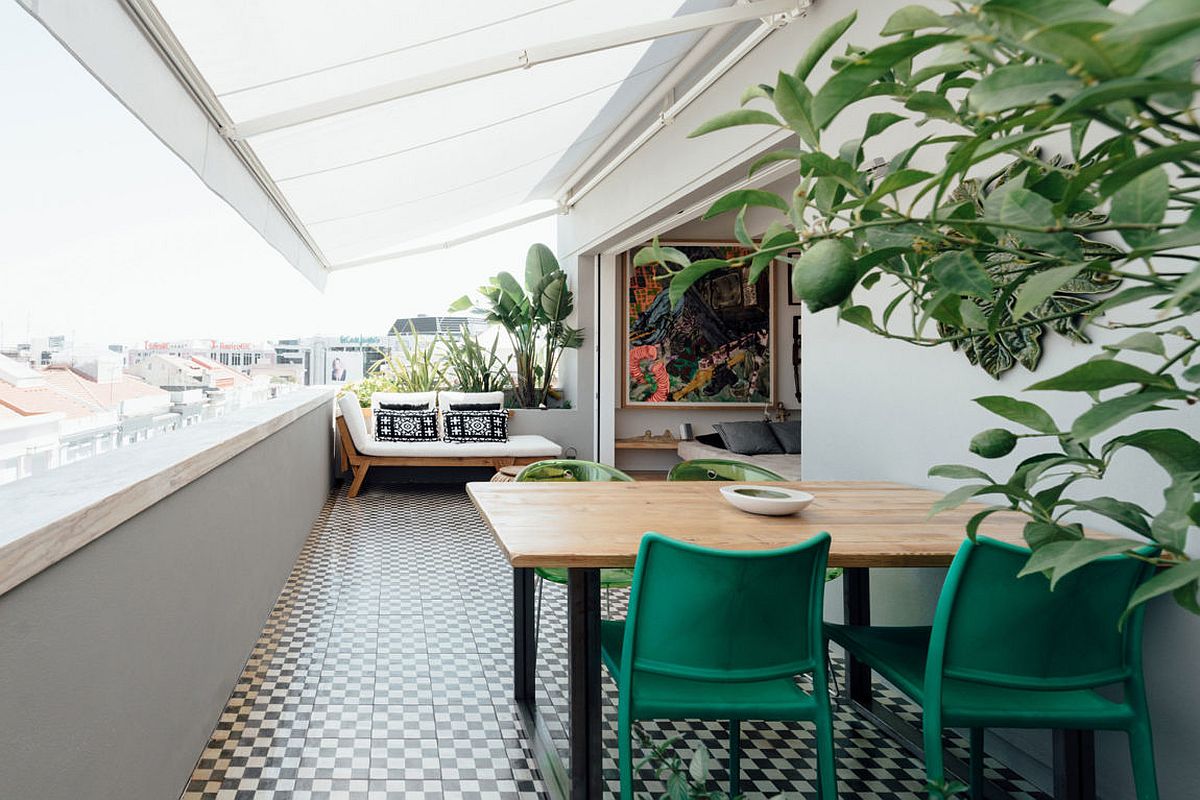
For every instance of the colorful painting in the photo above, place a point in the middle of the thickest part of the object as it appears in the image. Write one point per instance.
(712, 348)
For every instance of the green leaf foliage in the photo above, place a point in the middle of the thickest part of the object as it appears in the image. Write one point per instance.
(1185, 575)
(961, 273)
(909, 19)
(540, 266)
(1030, 217)
(1019, 411)
(1142, 201)
(1104, 415)
(746, 197)
(974, 233)
(853, 81)
(1039, 286)
(745, 116)
(1101, 374)
(1060, 558)
(895, 181)
(683, 280)
(1021, 85)
(820, 45)
(794, 103)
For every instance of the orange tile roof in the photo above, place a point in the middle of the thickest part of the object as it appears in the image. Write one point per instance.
(44, 400)
(108, 395)
(225, 376)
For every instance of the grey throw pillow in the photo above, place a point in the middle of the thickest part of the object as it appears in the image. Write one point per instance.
(748, 438)
(788, 434)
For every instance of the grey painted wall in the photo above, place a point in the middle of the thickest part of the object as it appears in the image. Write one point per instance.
(116, 662)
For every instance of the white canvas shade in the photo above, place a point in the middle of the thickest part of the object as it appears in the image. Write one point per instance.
(353, 133)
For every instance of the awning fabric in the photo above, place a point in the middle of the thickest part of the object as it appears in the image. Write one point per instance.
(209, 78)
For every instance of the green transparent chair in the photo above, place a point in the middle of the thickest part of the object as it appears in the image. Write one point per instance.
(1007, 652)
(721, 635)
(720, 469)
(569, 470)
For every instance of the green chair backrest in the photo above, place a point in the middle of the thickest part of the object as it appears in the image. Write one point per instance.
(996, 628)
(719, 469)
(567, 469)
(699, 613)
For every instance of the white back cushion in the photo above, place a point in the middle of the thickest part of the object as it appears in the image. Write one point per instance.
(446, 398)
(426, 399)
(353, 414)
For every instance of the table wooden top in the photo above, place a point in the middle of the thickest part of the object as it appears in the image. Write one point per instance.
(873, 524)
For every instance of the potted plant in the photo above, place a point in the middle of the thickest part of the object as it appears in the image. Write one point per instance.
(414, 367)
(991, 265)
(535, 318)
(472, 367)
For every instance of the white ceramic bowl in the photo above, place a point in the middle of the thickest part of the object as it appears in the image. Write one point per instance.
(773, 501)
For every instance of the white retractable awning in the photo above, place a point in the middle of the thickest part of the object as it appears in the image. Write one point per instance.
(353, 133)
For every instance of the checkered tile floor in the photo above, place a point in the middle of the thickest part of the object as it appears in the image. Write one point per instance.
(384, 671)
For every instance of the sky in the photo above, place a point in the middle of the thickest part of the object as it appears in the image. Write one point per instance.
(107, 237)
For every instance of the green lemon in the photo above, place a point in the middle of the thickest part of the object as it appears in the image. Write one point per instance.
(993, 443)
(824, 274)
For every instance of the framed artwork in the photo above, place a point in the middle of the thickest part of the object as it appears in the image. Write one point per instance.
(714, 348)
(793, 298)
(796, 353)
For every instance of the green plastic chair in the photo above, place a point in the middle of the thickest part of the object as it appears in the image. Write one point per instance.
(567, 470)
(721, 635)
(1007, 652)
(720, 469)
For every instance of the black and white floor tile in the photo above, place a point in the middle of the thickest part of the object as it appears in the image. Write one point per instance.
(384, 671)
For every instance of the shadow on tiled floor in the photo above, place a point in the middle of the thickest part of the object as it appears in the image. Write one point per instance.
(384, 671)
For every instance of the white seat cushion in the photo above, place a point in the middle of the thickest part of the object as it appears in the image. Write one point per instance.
(524, 446)
(353, 414)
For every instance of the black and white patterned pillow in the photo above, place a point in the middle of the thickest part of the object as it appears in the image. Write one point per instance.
(475, 426)
(406, 426)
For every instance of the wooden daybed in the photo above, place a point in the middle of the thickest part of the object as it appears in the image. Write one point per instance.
(360, 451)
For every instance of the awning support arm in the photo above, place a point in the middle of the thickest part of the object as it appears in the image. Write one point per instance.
(519, 59)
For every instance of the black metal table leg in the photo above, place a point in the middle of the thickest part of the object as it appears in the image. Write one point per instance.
(856, 596)
(583, 635)
(524, 638)
(1074, 765)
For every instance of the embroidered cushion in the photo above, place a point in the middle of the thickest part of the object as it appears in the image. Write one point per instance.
(475, 426)
(406, 426)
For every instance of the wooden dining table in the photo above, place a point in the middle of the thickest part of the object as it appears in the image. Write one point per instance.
(588, 526)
